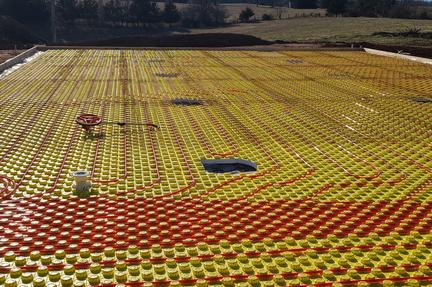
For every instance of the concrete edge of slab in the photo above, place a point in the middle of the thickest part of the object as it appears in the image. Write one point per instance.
(268, 48)
(41, 48)
(18, 59)
(399, 56)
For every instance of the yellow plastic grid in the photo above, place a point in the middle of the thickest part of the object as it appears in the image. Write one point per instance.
(342, 195)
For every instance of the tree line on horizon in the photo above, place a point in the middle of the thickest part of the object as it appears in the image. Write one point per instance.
(375, 8)
(200, 13)
(112, 11)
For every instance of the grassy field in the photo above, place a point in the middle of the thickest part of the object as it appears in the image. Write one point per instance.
(330, 29)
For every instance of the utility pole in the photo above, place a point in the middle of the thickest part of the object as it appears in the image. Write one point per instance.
(53, 21)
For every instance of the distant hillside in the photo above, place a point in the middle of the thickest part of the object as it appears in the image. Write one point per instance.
(14, 33)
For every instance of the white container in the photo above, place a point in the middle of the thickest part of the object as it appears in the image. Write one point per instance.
(82, 180)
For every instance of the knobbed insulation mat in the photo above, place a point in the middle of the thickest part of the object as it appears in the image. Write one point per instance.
(342, 195)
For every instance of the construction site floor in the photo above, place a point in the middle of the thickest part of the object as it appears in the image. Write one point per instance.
(342, 195)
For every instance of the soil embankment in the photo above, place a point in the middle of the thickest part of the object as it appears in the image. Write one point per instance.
(179, 40)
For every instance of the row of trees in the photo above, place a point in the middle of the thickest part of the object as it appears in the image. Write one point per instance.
(68, 11)
(131, 12)
(72, 9)
(25, 11)
(115, 12)
(200, 13)
(143, 12)
(118, 12)
(374, 8)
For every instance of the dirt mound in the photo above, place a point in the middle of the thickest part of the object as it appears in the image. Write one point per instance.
(13, 33)
(181, 40)
(8, 54)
